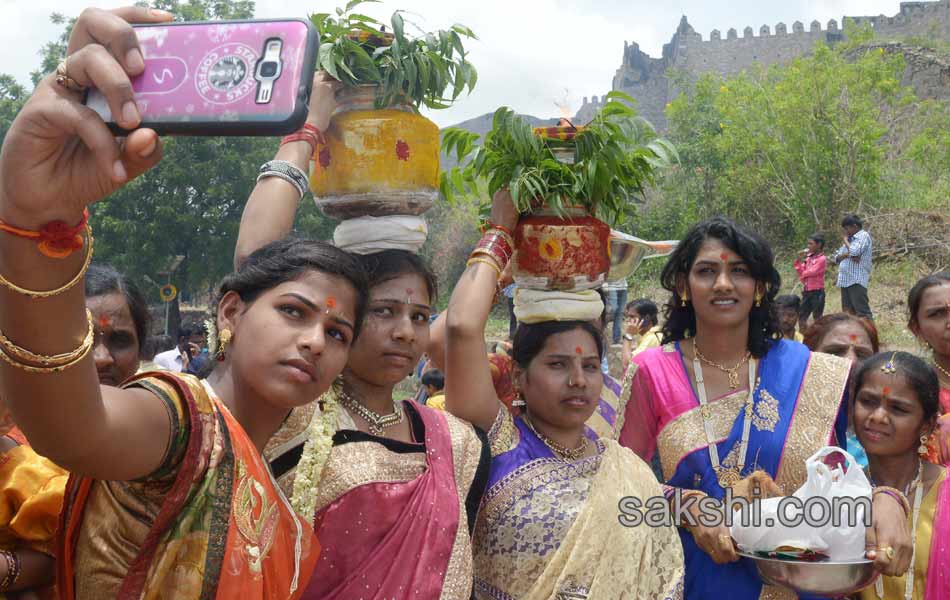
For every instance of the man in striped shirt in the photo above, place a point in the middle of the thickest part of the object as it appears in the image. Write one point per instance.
(854, 267)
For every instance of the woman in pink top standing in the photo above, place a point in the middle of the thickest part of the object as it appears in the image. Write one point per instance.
(811, 272)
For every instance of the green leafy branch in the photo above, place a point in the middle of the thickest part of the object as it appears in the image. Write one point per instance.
(616, 156)
(428, 70)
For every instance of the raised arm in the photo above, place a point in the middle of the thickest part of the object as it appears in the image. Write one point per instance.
(57, 158)
(469, 393)
(271, 208)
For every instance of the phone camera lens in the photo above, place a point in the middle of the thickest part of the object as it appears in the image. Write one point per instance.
(268, 69)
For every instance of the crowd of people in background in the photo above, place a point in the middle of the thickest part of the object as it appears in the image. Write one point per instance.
(271, 455)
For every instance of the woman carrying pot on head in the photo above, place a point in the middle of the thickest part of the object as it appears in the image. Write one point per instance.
(551, 507)
(929, 305)
(848, 336)
(381, 479)
(169, 493)
(894, 412)
(722, 398)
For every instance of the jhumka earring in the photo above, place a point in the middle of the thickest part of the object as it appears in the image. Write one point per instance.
(922, 449)
(683, 298)
(758, 299)
(519, 400)
(224, 339)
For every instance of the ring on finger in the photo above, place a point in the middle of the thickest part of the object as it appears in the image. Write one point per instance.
(63, 79)
(888, 551)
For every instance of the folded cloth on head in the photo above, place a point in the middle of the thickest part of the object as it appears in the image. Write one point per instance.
(365, 235)
(536, 306)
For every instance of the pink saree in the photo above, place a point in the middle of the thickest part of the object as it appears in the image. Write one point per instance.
(394, 523)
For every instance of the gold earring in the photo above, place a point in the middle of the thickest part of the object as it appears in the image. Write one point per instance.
(924, 441)
(758, 299)
(518, 402)
(224, 339)
(683, 298)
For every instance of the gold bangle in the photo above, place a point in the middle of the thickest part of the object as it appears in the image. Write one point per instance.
(894, 493)
(49, 294)
(78, 354)
(45, 360)
(489, 254)
(490, 263)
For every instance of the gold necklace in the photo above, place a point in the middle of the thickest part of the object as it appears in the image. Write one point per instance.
(562, 451)
(376, 422)
(733, 373)
(941, 369)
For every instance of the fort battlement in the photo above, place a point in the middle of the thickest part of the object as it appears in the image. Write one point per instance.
(645, 77)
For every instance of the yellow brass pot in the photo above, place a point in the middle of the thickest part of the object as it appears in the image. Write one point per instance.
(375, 162)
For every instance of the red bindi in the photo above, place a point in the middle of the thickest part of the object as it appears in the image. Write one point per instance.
(853, 337)
(724, 257)
(331, 302)
(578, 350)
(104, 321)
(886, 390)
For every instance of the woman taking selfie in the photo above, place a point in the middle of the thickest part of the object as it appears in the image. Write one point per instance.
(189, 508)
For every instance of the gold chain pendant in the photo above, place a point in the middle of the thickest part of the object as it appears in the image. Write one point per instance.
(728, 477)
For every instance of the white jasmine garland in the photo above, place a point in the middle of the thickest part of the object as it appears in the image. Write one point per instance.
(316, 452)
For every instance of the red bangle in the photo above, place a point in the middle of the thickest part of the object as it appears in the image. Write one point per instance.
(55, 239)
(308, 133)
(501, 228)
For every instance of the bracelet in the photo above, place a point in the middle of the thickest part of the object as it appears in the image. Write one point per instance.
(50, 293)
(55, 239)
(80, 353)
(490, 263)
(501, 261)
(308, 133)
(895, 494)
(287, 171)
(501, 228)
(500, 233)
(45, 360)
(13, 570)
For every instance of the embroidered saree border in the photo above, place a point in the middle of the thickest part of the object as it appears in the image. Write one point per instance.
(360, 463)
(220, 515)
(624, 398)
(531, 475)
(503, 434)
(813, 420)
(457, 584)
(685, 434)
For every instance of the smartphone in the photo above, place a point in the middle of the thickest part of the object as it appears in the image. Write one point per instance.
(222, 78)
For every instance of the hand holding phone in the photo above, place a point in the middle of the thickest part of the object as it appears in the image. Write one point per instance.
(222, 77)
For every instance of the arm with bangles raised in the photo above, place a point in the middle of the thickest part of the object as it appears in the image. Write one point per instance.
(59, 157)
(272, 206)
(469, 392)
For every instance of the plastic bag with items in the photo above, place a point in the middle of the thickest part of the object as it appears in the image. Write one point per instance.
(837, 529)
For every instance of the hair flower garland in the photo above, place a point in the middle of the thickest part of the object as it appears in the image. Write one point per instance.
(316, 453)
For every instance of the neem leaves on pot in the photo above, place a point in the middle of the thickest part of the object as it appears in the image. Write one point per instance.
(429, 69)
(616, 156)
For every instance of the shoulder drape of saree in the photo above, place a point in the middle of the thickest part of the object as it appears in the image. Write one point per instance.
(594, 559)
(31, 498)
(395, 523)
(221, 530)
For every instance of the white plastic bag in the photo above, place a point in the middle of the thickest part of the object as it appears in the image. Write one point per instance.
(841, 540)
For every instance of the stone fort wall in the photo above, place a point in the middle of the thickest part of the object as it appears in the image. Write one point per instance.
(646, 78)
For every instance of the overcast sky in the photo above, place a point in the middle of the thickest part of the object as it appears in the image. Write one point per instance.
(531, 54)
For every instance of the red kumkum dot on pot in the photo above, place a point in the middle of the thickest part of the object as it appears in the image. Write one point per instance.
(402, 150)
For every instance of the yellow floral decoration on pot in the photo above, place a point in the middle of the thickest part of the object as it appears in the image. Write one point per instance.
(549, 248)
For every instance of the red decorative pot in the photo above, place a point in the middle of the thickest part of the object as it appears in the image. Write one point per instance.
(561, 253)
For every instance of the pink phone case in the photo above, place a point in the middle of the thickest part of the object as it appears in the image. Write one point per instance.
(223, 77)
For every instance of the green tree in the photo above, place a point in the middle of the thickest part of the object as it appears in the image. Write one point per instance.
(12, 97)
(788, 148)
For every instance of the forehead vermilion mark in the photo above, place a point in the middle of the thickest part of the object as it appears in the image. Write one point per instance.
(578, 350)
(104, 321)
(331, 302)
(724, 257)
(886, 390)
(853, 338)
